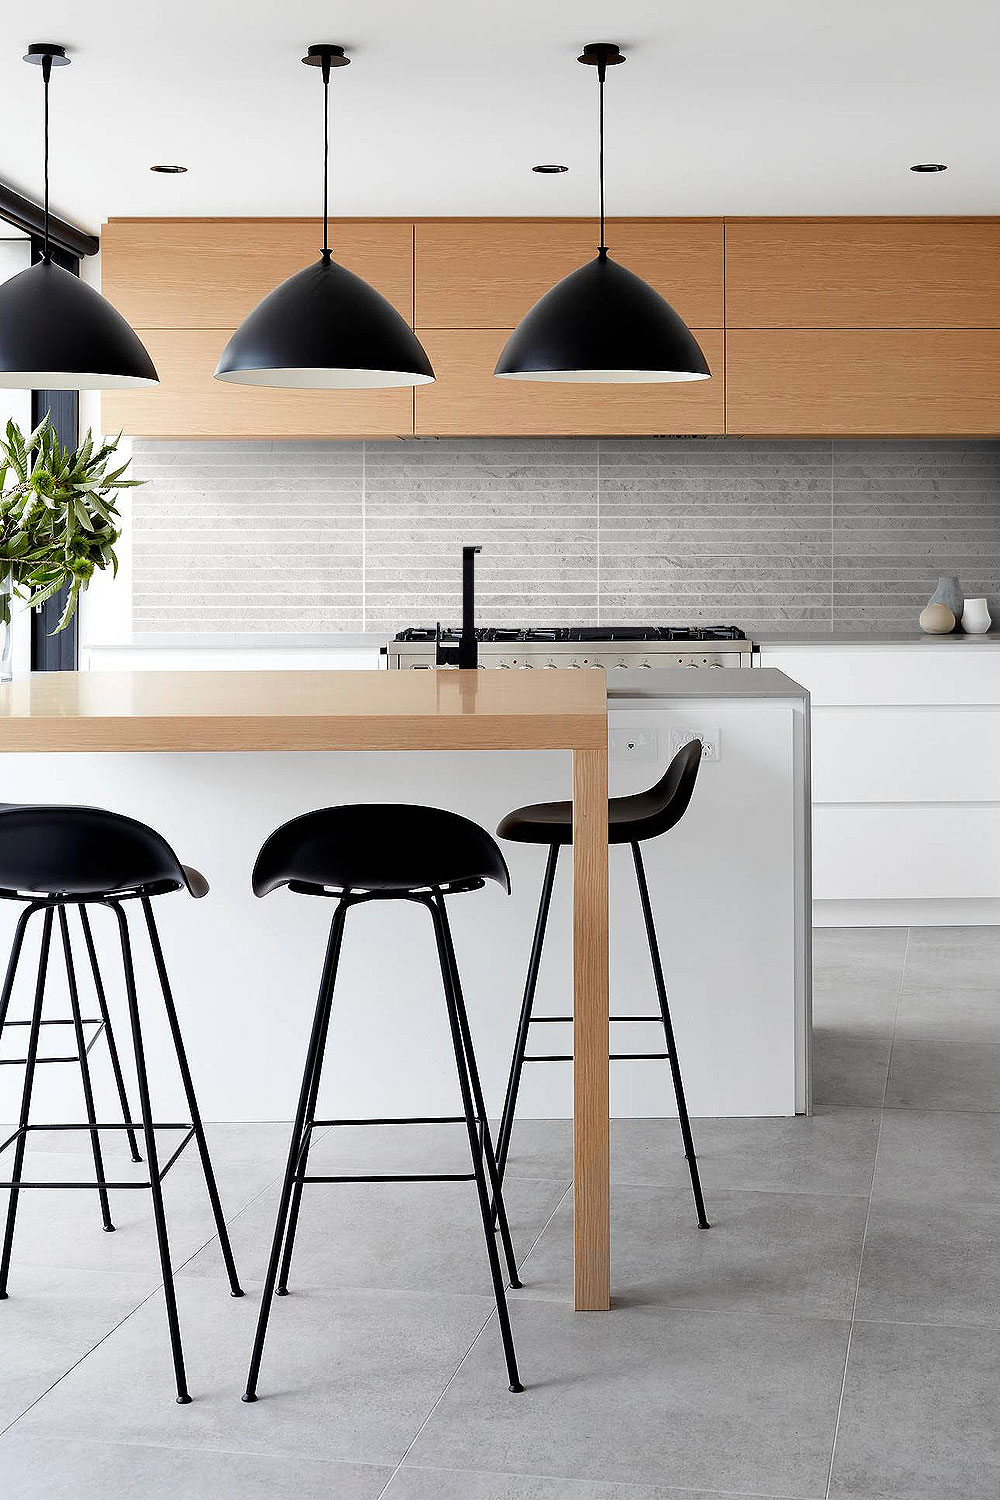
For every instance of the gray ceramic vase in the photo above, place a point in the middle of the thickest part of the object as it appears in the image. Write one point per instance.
(949, 591)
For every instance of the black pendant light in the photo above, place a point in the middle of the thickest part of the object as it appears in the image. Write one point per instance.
(602, 324)
(324, 328)
(56, 332)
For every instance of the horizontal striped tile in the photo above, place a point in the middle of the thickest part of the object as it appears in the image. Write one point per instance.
(312, 535)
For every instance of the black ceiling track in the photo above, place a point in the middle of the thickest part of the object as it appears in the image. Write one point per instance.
(29, 217)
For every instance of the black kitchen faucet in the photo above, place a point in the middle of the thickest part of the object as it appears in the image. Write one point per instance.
(466, 653)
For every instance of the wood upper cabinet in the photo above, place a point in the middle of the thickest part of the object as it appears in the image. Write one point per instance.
(186, 284)
(487, 273)
(863, 273)
(189, 402)
(856, 382)
(466, 398)
(209, 273)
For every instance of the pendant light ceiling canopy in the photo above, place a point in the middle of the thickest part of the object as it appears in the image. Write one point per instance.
(57, 333)
(602, 324)
(325, 328)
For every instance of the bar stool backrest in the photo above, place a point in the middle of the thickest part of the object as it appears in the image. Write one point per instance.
(666, 802)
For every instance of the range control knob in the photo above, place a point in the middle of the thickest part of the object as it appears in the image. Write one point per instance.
(692, 665)
(647, 664)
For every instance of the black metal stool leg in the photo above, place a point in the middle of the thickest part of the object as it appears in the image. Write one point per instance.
(498, 1211)
(29, 1071)
(461, 1065)
(324, 1002)
(192, 1100)
(102, 1005)
(149, 1138)
(293, 1212)
(88, 1090)
(524, 1021)
(668, 1030)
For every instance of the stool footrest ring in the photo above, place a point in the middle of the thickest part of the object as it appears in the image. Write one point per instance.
(102, 1183)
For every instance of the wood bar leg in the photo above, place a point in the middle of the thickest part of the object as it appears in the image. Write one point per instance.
(591, 1105)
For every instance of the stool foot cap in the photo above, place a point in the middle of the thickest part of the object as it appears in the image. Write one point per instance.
(137, 1158)
(249, 1396)
(281, 1291)
(183, 1400)
(237, 1292)
(3, 1296)
(516, 1390)
(109, 1228)
(516, 1285)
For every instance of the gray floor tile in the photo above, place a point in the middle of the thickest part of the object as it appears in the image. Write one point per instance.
(938, 1157)
(931, 1263)
(418, 1236)
(50, 1468)
(919, 1419)
(643, 1393)
(50, 1320)
(833, 1151)
(966, 957)
(948, 1012)
(881, 949)
(63, 1227)
(348, 1377)
(442, 1484)
(944, 1075)
(765, 1252)
(848, 1068)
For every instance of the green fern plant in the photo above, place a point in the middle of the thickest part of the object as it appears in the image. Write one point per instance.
(59, 520)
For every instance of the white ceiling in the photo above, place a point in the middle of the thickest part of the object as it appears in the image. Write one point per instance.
(775, 106)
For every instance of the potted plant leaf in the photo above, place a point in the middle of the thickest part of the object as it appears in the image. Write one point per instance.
(59, 520)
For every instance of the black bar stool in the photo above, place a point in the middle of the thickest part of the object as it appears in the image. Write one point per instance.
(385, 852)
(52, 859)
(631, 820)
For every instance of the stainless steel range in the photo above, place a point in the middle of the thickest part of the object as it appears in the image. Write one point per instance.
(605, 646)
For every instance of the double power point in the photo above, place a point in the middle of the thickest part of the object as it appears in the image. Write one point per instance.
(644, 743)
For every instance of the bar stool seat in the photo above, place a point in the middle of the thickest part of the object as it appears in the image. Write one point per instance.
(645, 815)
(86, 851)
(385, 852)
(386, 847)
(54, 859)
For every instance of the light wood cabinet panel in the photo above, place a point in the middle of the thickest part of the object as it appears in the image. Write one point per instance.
(863, 273)
(467, 398)
(190, 402)
(209, 273)
(487, 273)
(861, 382)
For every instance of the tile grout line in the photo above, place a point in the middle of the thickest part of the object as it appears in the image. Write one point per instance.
(868, 1211)
(465, 1356)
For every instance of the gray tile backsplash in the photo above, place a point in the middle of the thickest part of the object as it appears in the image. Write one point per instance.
(332, 536)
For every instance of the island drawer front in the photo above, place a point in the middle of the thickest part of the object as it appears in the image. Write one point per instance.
(905, 853)
(890, 755)
(927, 672)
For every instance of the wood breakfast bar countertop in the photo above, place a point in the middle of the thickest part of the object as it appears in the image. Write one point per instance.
(440, 710)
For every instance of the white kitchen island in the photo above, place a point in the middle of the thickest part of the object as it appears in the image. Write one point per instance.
(730, 888)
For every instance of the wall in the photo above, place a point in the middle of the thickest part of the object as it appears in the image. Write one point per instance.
(349, 536)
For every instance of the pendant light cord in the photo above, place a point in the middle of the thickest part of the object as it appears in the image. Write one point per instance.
(326, 157)
(46, 74)
(602, 248)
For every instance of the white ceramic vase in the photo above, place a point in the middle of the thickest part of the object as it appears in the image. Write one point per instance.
(976, 617)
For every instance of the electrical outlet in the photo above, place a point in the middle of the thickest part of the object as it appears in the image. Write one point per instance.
(634, 744)
(711, 748)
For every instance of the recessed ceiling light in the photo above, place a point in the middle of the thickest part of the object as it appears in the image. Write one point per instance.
(167, 167)
(930, 166)
(547, 166)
